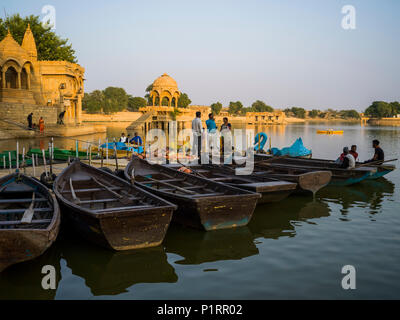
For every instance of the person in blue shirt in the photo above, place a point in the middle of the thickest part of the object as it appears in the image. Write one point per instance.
(137, 140)
(210, 123)
(211, 130)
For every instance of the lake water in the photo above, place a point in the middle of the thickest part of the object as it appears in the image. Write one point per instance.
(294, 249)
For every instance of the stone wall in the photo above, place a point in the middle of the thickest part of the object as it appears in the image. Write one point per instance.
(123, 116)
(17, 113)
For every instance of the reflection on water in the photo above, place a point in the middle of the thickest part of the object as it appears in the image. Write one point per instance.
(369, 194)
(110, 273)
(186, 250)
(277, 220)
(23, 281)
(196, 247)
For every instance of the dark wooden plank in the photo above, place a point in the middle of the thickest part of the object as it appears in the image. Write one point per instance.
(123, 208)
(11, 223)
(11, 211)
(106, 200)
(91, 190)
(6, 201)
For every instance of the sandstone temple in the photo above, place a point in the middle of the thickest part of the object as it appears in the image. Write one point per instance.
(45, 88)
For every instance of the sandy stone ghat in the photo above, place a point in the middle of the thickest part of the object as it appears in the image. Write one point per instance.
(59, 167)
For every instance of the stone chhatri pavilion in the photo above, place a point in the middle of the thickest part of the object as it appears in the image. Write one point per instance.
(165, 88)
(43, 87)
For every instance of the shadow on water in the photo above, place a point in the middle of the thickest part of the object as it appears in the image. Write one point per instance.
(110, 273)
(368, 194)
(197, 247)
(23, 281)
(277, 220)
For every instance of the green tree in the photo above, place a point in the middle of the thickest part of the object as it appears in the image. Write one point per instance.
(379, 109)
(261, 106)
(216, 108)
(235, 107)
(93, 102)
(314, 113)
(135, 103)
(184, 101)
(395, 108)
(49, 45)
(147, 96)
(298, 112)
(115, 99)
(349, 114)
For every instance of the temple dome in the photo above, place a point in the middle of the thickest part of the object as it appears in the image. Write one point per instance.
(165, 87)
(10, 48)
(165, 81)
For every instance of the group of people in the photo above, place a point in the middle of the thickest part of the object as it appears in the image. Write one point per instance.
(136, 140)
(198, 130)
(348, 158)
(34, 126)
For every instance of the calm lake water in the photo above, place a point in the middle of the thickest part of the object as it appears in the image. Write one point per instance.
(294, 249)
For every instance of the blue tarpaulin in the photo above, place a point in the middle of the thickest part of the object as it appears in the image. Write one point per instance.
(296, 150)
(121, 146)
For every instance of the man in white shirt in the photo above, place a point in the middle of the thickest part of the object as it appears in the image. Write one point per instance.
(197, 129)
(123, 138)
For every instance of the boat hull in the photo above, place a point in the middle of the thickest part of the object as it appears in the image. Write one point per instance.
(121, 233)
(120, 227)
(20, 245)
(213, 213)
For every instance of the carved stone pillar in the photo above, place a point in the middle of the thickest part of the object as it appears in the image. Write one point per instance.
(19, 80)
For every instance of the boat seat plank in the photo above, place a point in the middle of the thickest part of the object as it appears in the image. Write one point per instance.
(11, 211)
(12, 223)
(91, 190)
(6, 201)
(106, 200)
(123, 208)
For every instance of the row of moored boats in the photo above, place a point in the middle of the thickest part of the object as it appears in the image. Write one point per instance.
(135, 212)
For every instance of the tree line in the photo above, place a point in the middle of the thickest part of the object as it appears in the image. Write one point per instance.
(237, 108)
(301, 113)
(114, 99)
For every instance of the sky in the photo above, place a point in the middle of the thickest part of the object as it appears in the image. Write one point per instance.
(284, 52)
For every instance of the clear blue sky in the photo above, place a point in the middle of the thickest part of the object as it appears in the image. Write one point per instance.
(285, 52)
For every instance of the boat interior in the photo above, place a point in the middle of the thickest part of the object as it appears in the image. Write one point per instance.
(23, 205)
(100, 193)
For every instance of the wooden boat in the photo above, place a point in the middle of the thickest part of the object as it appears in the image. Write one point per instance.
(29, 219)
(202, 203)
(271, 190)
(381, 169)
(330, 131)
(109, 211)
(340, 177)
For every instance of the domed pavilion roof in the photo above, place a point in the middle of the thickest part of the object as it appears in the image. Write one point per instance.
(165, 81)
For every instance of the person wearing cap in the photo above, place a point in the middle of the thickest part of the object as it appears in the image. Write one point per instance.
(348, 161)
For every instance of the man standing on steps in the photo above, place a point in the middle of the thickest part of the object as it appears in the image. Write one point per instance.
(197, 129)
(30, 124)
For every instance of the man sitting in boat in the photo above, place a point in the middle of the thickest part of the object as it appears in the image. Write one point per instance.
(123, 138)
(136, 140)
(353, 151)
(348, 161)
(379, 155)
